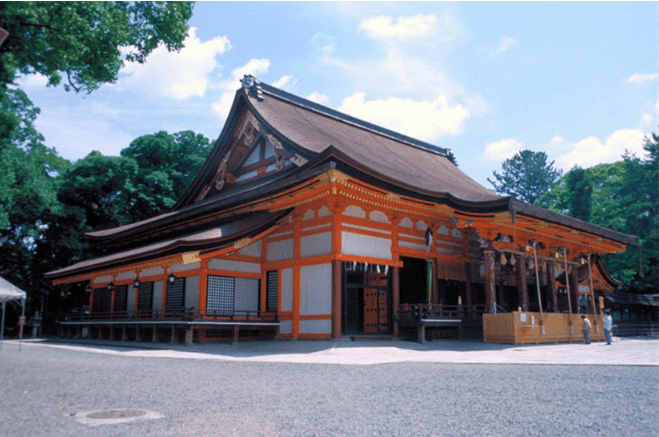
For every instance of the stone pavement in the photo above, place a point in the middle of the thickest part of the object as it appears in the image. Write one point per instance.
(623, 352)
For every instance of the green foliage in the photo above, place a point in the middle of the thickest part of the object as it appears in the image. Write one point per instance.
(580, 190)
(101, 186)
(17, 116)
(167, 165)
(526, 176)
(88, 42)
(624, 197)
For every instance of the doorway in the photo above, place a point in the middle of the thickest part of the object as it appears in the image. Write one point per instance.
(366, 299)
(413, 280)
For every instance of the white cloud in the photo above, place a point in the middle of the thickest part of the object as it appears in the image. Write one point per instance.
(499, 151)
(75, 140)
(285, 80)
(317, 97)
(177, 76)
(426, 120)
(382, 27)
(36, 80)
(591, 151)
(506, 43)
(641, 78)
(229, 86)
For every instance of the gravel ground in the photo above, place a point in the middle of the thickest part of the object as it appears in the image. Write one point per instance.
(48, 392)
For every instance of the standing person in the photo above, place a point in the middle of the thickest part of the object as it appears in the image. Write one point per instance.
(608, 325)
(585, 328)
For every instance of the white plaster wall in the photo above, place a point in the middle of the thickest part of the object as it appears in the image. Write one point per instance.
(316, 289)
(130, 300)
(253, 249)
(286, 327)
(287, 290)
(309, 215)
(192, 292)
(280, 250)
(247, 295)
(354, 211)
(409, 245)
(365, 245)
(324, 211)
(234, 266)
(379, 216)
(153, 271)
(157, 296)
(185, 267)
(315, 326)
(103, 279)
(316, 244)
(126, 275)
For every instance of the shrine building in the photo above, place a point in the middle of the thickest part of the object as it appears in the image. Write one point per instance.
(306, 223)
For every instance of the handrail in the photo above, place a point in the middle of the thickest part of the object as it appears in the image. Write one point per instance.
(421, 311)
(179, 314)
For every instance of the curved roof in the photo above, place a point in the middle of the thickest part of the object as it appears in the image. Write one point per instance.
(215, 237)
(314, 128)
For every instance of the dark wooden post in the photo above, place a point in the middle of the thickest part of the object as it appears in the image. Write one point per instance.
(395, 297)
(336, 298)
(468, 285)
(435, 292)
(551, 281)
(490, 281)
(574, 288)
(521, 284)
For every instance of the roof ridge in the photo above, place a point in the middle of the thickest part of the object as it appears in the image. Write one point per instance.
(348, 119)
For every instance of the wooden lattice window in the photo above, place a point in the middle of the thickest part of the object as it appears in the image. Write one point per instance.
(176, 294)
(121, 298)
(272, 286)
(102, 300)
(221, 293)
(145, 297)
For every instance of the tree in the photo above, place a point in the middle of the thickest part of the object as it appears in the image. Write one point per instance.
(87, 42)
(580, 190)
(623, 197)
(167, 164)
(526, 176)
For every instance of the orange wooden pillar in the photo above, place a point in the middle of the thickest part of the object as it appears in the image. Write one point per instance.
(297, 237)
(490, 281)
(203, 285)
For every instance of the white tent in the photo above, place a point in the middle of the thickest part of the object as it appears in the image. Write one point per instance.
(9, 291)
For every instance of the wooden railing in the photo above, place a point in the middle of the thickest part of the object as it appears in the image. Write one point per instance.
(181, 314)
(431, 311)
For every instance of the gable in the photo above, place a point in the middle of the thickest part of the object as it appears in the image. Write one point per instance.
(250, 152)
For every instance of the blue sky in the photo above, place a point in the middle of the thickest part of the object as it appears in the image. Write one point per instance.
(485, 79)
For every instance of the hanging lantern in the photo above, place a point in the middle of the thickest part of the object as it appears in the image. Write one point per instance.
(504, 261)
(513, 260)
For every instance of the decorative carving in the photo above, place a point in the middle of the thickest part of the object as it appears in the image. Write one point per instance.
(298, 160)
(190, 257)
(243, 242)
(393, 197)
(219, 175)
(502, 217)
